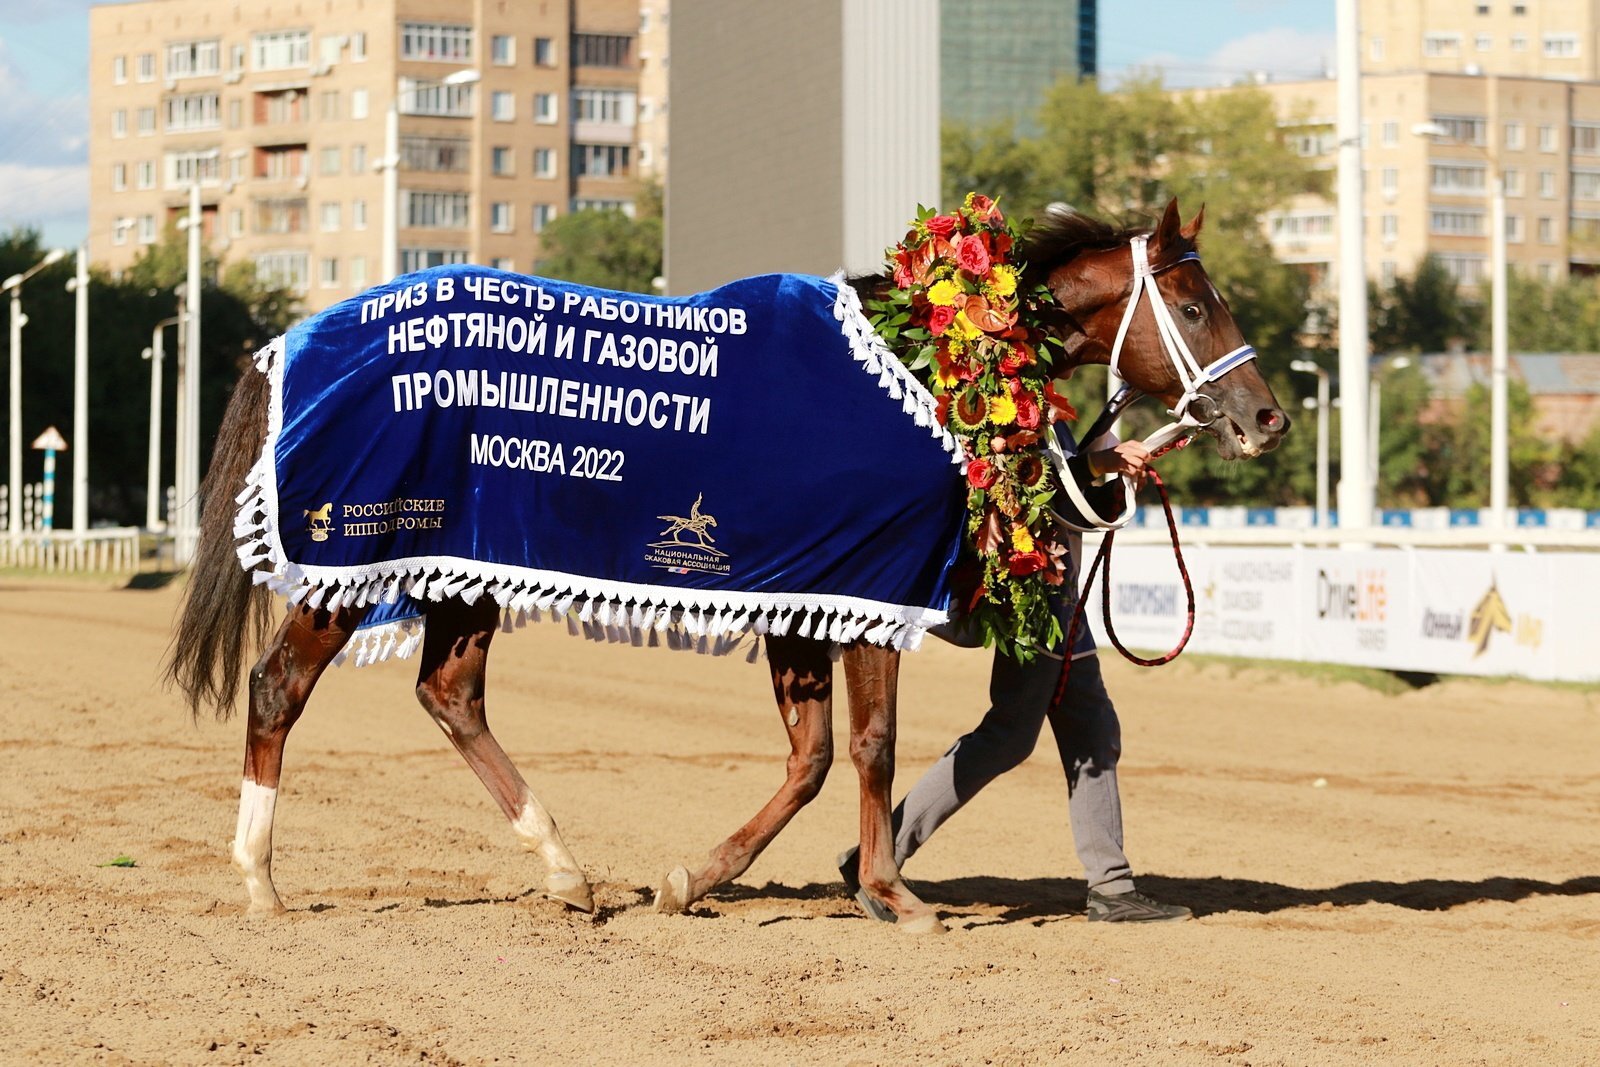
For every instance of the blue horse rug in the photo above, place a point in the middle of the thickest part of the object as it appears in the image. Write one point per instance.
(688, 470)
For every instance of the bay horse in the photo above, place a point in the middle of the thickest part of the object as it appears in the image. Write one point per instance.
(1097, 275)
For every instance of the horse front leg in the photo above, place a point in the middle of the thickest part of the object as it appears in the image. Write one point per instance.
(450, 684)
(802, 682)
(280, 684)
(872, 679)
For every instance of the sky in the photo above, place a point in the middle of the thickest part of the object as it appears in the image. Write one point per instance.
(44, 81)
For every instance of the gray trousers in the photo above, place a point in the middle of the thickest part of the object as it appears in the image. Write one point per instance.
(1088, 737)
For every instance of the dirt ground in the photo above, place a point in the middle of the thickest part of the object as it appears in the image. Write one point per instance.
(1436, 900)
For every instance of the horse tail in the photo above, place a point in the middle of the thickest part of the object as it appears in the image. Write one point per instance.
(224, 613)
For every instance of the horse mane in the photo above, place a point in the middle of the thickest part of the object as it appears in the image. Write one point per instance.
(1061, 236)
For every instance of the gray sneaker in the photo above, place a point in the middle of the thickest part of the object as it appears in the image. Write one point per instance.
(850, 871)
(1133, 907)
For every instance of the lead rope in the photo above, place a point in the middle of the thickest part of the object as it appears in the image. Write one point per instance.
(1104, 556)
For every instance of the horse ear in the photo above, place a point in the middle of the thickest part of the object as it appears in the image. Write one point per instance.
(1170, 226)
(1192, 229)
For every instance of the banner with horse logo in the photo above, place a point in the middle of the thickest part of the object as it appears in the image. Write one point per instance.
(750, 459)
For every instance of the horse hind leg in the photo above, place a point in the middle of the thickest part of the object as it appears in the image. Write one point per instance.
(802, 682)
(450, 686)
(280, 684)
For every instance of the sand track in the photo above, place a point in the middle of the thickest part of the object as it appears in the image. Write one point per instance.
(1437, 902)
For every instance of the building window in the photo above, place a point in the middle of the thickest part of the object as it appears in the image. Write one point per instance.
(119, 70)
(1483, 42)
(543, 215)
(186, 168)
(1455, 222)
(1298, 226)
(331, 46)
(1386, 272)
(544, 52)
(236, 160)
(601, 160)
(503, 106)
(435, 153)
(236, 58)
(503, 50)
(1377, 49)
(1513, 136)
(502, 161)
(358, 272)
(1391, 134)
(602, 50)
(147, 121)
(1585, 139)
(281, 216)
(1513, 180)
(1547, 230)
(1560, 45)
(119, 123)
(1586, 185)
(358, 103)
(147, 66)
(1468, 129)
(280, 106)
(1391, 181)
(544, 162)
(284, 270)
(601, 204)
(281, 162)
(1547, 184)
(194, 59)
(1458, 179)
(358, 159)
(1441, 45)
(328, 160)
(236, 223)
(1514, 229)
(119, 177)
(432, 98)
(500, 217)
(613, 107)
(544, 108)
(358, 47)
(145, 175)
(1483, 9)
(437, 211)
(280, 50)
(328, 273)
(1547, 271)
(1519, 42)
(329, 109)
(436, 42)
(195, 111)
(358, 214)
(147, 229)
(504, 263)
(235, 113)
(1391, 227)
(1465, 270)
(422, 258)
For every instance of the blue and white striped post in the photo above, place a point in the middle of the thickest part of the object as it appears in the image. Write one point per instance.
(50, 442)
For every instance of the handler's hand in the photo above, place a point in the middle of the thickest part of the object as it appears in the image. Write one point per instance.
(1130, 458)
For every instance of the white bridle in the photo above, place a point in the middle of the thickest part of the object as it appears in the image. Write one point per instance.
(1190, 373)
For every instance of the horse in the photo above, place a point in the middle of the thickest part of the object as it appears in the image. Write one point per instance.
(1097, 275)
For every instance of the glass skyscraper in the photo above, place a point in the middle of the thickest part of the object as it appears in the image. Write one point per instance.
(998, 58)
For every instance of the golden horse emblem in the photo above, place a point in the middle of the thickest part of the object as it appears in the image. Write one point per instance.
(695, 524)
(1490, 615)
(320, 521)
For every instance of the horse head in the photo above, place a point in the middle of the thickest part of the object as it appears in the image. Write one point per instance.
(1094, 273)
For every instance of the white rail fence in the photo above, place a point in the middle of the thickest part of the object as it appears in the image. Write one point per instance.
(114, 549)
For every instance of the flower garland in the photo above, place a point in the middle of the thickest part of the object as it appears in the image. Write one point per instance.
(956, 318)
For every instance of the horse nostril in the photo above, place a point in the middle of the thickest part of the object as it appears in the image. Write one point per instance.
(1272, 420)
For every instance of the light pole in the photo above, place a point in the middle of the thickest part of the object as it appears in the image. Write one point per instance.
(188, 464)
(78, 286)
(13, 285)
(390, 163)
(1355, 497)
(1499, 360)
(1375, 415)
(156, 354)
(1305, 366)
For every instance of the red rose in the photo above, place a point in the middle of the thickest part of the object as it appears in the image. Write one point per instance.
(980, 474)
(1026, 563)
(1027, 409)
(942, 225)
(939, 319)
(971, 256)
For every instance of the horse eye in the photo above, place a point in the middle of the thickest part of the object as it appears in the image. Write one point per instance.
(1191, 311)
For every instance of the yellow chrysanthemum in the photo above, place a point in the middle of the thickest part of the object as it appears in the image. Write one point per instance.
(1003, 280)
(1002, 410)
(964, 329)
(943, 294)
(1021, 539)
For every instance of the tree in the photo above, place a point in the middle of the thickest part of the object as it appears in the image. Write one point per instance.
(606, 249)
(1422, 313)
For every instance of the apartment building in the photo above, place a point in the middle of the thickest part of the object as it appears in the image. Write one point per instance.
(1454, 92)
(508, 114)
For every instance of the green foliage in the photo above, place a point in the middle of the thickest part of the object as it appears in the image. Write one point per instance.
(1421, 313)
(120, 861)
(236, 319)
(606, 249)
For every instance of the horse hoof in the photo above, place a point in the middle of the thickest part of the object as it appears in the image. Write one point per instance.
(571, 889)
(272, 910)
(922, 924)
(672, 896)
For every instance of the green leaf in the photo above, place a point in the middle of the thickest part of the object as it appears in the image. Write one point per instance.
(120, 861)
